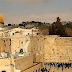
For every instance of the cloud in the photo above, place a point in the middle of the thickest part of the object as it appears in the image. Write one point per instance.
(28, 1)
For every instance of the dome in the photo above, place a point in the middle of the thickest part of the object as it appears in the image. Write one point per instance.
(1, 19)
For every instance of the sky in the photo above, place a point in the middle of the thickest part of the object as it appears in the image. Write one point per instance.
(16, 11)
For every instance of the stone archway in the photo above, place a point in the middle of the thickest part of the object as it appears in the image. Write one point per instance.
(3, 71)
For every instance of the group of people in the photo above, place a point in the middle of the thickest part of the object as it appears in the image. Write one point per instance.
(57, 65)
(45, 70)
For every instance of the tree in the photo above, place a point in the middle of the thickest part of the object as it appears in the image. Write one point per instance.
(69, 32)
(57, 28)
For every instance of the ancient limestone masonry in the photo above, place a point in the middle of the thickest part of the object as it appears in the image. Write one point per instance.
(36, 51)
(52, 48)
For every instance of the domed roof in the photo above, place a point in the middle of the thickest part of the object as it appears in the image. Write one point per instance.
(1, 19)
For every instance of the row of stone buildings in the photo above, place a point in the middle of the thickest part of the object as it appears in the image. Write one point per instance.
(14, 54)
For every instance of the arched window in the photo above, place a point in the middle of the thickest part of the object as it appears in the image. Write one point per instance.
(13, 33)
(37, 33)
(3, 71)
(4, 40)
(10, 41)
(21, 42)
(28, 33)
(21, 50)
(36, 70)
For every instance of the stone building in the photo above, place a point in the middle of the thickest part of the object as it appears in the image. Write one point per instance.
(14, 57)
(18, 31)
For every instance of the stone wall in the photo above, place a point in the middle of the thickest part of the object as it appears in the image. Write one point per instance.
(51, 48)
(24, 62)
(35, 68)
(4, 45)
(19, 42)
(58, 49)
(37, 47)
(43, 48)
(5, 65)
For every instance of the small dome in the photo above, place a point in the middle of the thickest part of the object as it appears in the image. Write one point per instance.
(1, 19)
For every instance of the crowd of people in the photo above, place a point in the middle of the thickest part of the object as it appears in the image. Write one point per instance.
(57, 65)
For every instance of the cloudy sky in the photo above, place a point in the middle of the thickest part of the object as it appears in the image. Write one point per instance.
(16, 11)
